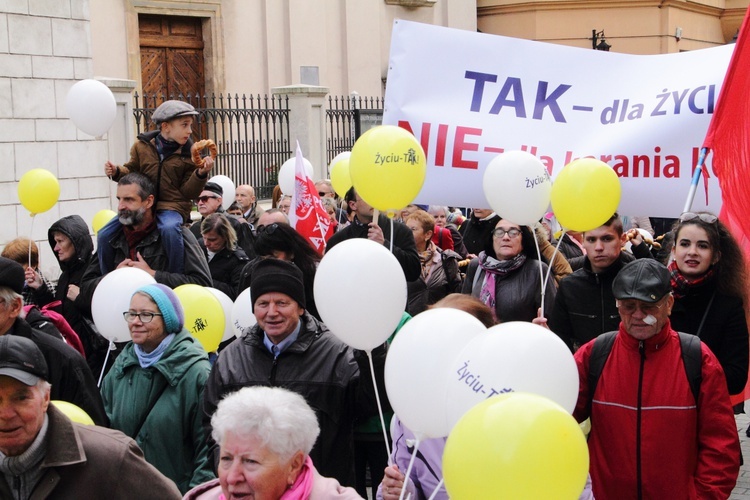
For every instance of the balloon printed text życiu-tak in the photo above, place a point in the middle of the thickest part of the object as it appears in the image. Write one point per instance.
(387, 167)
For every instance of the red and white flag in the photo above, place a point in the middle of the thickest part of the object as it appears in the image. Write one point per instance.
(307, 214)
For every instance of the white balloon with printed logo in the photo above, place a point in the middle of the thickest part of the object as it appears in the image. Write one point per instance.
(417, 368)
(517, 187)
(242, 313)
(512, 357)
(112, 298)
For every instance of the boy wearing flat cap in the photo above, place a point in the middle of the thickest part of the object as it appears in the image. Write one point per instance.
(165, 157)
(651, 436)
(43, 454)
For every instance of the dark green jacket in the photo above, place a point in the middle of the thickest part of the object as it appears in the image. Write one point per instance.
(172, 436)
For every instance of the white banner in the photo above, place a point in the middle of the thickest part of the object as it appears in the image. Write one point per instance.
(470, 96)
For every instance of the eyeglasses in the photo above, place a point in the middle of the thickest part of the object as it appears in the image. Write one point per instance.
(204, 199)
(322, 193)
(631, 307)
(143, 316)
(269, 229)
(707, 218)
(512, 233)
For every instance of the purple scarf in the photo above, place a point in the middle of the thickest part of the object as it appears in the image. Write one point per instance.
(496, 270)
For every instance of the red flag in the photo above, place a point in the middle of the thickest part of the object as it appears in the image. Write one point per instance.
(728, 138)
(307, 214)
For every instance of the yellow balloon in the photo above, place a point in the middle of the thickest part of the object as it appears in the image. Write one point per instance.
(73, 412)
(38, 190)
(585, 194)
(388, 167)
(516, 445)
(341, 179)
(204, 315)
(101, 218)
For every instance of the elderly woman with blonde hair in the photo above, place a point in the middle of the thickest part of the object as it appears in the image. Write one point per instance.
(265, 435)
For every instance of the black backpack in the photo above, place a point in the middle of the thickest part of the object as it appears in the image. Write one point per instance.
(691, 358)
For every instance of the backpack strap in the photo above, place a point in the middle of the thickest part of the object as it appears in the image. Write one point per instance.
(692, 359)
(599, 354)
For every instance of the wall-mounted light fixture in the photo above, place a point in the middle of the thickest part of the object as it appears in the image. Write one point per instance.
(598, 36)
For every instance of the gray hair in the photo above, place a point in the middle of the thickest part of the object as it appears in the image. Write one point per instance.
(434, 209)
(7, 295)
(43, 387)
(328, 203)
(279, 418)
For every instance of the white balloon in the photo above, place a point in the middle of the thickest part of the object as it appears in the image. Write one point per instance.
(338, 158)
(91, 106)
(226, 306)
(112, 298)
(417, 368)
(517, 187)
(367, 271)
(227, 185)
(512, 357)
(242, 313)
(286, 174)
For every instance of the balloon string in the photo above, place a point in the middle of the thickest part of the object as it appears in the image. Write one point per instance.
(31, 233)
(391, 234)
(380, 408)
(437, 488)
(408, 469)
(541, 271)
(104, 366)
(554, 254)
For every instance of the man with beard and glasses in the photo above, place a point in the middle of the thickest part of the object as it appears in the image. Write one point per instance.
(139, 244)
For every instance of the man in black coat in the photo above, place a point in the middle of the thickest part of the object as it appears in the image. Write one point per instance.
(363, 226)
(210, 202)
(70, 376)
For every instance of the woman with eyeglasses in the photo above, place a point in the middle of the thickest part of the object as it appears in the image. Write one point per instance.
(506, 277)
(281, 241)
(709, 280)
(154, 391)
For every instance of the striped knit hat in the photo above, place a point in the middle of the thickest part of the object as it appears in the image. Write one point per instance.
(168, 304)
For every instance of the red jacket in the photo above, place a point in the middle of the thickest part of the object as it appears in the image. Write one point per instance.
(648, 439)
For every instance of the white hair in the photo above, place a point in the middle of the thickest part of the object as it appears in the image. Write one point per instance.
(43, 387)
(281, 419)
(434, 209)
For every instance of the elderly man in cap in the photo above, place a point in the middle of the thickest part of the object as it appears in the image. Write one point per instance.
(289, 348)
(165, 156)
(662, 424)
(210, 202)
(43, 454)
(69, 373)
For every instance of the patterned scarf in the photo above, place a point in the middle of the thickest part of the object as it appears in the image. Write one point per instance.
(682, 285)
(496, 270)
(165, 147)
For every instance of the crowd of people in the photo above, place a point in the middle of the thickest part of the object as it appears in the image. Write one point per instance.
(275, 411)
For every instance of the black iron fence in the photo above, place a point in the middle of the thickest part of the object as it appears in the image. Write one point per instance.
(349, 117)
(251, 133)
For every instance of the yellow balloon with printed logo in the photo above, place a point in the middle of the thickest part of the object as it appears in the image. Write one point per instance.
(38, 190)
(204, 315)
(341, 179)
(585, 194)
(101, 218)
(387, 167)
(516, 445)
(73, 412)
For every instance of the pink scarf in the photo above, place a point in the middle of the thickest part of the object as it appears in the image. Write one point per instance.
(301, 488)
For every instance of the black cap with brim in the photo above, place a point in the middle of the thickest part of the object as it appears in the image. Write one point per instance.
(644, 279)
(21, 359)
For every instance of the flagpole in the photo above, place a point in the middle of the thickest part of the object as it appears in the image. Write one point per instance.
(696, 178)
